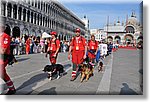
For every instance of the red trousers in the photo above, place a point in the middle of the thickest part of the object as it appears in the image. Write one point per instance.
(77, 59)
(4, 75)
(77, 56)
(52, 58)
(91, 55)
(27, 49)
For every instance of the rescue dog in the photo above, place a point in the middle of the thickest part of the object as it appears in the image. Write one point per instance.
(100, 69)
(100, 66)
(86, 72)
(54, 69)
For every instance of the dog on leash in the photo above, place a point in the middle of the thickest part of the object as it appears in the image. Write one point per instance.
(101, 61)
(54, 69)
(100, 69)
(86, 72)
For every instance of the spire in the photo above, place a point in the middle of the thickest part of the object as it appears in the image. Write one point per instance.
(118, 20)
(122, 23)
(126, 19)
(115, 23)
(133, 14)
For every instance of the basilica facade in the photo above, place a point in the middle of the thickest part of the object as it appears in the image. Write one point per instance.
(128, 32)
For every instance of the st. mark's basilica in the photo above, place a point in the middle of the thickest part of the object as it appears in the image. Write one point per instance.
(128, 32)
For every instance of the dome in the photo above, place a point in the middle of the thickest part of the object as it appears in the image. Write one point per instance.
(133, 20)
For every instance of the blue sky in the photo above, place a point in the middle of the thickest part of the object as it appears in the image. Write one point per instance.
(97, 12)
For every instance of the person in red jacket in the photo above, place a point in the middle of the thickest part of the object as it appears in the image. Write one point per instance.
(78, 47)
(53, 48)
(4, 59)
(92, 48)
(28, 45)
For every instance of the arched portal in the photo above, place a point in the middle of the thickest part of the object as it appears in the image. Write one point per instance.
(110, 39)
(39, 33)
(25, 31)
(140, 39)
(117, 39)
(33, 33)
(7, 29)
(130, 29)
(16, 32)
(128, 39)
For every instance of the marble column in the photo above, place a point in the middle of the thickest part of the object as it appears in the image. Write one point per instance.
(12, 12)
(6, 11)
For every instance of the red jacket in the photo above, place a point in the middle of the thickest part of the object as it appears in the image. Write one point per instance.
(5, 42)
(54, 45)
(93, 45)
(78, 43)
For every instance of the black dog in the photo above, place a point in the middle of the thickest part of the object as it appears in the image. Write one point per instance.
(100, 67)
(55, 69)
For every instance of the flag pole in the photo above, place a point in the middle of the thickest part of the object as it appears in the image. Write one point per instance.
(107, 27)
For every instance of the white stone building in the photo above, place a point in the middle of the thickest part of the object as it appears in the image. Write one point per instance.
(125, 33)
(33, 17)
(87, 27)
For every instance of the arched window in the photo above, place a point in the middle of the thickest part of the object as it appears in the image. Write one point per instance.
(28, 1)
(9, 10)
(19, 13)
(46, 22)
(31, 17)
(24, 14)
(41, 20)
(38, 18)
(41, 5)
(32, 2)
(3, 9)
(28, 16)
(130, 29)
(35, 18)
(38, 4)
(44, 7)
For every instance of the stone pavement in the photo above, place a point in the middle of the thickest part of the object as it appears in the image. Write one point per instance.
(122, 75)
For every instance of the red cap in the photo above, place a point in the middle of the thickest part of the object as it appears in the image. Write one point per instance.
(78, 30)
(53, 33)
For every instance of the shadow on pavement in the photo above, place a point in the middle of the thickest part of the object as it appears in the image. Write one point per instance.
(141, 71)
(22, 59)
(32, 80)
(66, 66)
(126, 90)
(50, 91)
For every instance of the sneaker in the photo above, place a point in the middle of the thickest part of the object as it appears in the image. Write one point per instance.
(11, 92)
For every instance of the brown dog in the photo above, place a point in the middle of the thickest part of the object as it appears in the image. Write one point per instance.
(86, 72)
